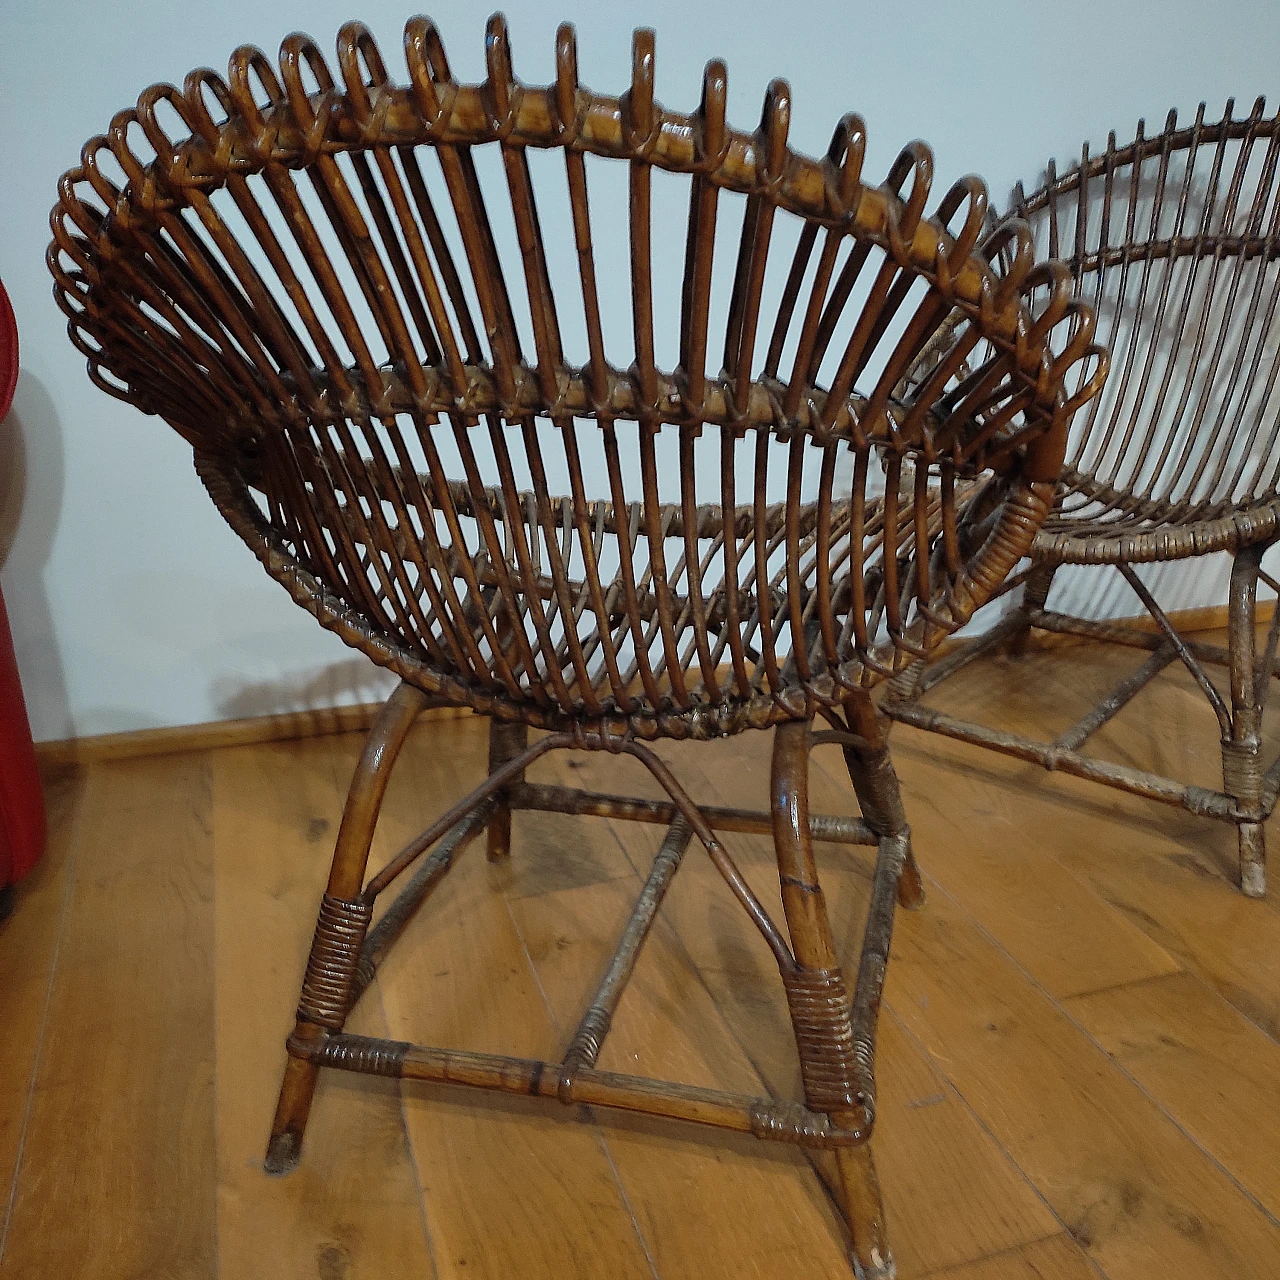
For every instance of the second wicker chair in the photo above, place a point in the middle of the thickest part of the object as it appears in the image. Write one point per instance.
(1175, 239)
(340, 291)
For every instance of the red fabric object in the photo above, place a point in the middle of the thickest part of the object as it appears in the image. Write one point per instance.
(22, 828)
(22, 822)
(8, 353)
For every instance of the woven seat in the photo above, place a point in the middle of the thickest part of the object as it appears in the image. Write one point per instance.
(1175, 238)
(588, 684)
(350, 297)
(1095, 523)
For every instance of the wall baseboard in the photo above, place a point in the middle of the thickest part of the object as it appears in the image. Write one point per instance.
(284, 726)
(1208, 618)
(280, 727)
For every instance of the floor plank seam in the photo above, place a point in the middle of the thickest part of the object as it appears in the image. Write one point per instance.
(626, 1199)
(1192, 969)
(999, 1146)
(213, 1010)
(1191, 1137)
(953, 1268)
(1115, 1062)
(600, 1134)
(677, 942)
(64, 910)
(1108, 987)
(515, 896)
(1184, 965)
(1194, 975)
(410, 1151)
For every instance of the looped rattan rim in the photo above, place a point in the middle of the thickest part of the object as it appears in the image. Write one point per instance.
(260, 391)
(294, 127)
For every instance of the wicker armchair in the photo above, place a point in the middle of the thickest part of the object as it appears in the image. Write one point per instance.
(307, 280)
(1175, 239)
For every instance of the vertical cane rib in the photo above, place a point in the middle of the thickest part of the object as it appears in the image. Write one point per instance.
(790, 293)
(587, 545)
(559, 573)
(528, 576)
(757, 228)
(1258, 330)
(731, 633)
(477, 238)
(374, 532)
(369, 441)
(709, 134)
(546, 329)
(640, 125)
(1164, 484)
(768, 668)
(1134, 343)
(692, 565)
(1212, 449)
(794, 582)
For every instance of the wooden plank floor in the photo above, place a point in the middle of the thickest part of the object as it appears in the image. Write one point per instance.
(1078, 1055)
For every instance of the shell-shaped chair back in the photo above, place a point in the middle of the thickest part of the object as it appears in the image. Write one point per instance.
(1174, 239)
(450, 371)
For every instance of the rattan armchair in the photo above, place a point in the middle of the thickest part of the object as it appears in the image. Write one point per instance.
(305, 275)
(1175, 240)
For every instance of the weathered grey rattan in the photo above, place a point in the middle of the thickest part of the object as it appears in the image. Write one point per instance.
(1175, 239)
(279, 283)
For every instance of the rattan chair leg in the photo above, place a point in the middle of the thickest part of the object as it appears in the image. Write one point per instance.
(1242, 764)
(835, 1060)
(330, 979)
(1253, 859)
(876, 784)
(1035, 596)
(864, 1207)
(507, 739)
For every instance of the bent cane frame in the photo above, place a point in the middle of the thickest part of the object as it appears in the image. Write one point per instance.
(835, 1032)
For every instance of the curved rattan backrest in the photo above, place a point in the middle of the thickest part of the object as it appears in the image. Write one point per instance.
(1175, 239)
(341, 292)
